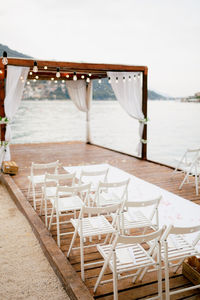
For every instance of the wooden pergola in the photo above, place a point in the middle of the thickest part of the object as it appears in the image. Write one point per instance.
(47, 70)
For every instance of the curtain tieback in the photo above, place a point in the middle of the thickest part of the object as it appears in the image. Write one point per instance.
(4, 120)
(144, 121)
(143, 141)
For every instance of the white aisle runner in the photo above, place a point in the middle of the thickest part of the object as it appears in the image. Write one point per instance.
(173, 209)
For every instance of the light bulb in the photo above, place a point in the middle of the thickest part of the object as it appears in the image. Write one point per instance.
(4, 59)
(1, 72)
(28, 82)
(63, 81)
(124, 79)
(36, 77)
(116, 79)
(31, 73)
(35, 67)
(21, 77)
(55, 81)
(138, 75)
(67, 75)
(52, 78)
(75, 77)
(82, 76)
(88, 80)
(34, 80)
(90, 74)
(99, 81)
(109, 80)
(129, 78)
(22, 80)
(45, 67)
(58, 72)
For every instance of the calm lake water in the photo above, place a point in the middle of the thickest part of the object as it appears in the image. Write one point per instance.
(173, 126)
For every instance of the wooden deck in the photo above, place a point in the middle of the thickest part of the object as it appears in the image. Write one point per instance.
(78, 153)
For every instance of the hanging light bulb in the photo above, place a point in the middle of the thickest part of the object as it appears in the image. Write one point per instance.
(63, 81)
(22, 80)
(90, 74)
(87, 79)
(1, 72)
(4, 59)
(52, 78)
(36, 77)
(129, 78)
(74, 77)
(31, 73)
(99, 81)
(34, 80)
(35, 67)
(134, 77)
(138, 75)
(67, 75)
(109, 80)
(82, 76)
(116, 79)
(45, 67)
(28, 82)
(124, 79)
(58, 72)
(21, 77)
(55, 81)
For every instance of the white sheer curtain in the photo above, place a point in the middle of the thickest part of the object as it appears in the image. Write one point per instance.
(81, 94)
(15, 81)
(127, 87)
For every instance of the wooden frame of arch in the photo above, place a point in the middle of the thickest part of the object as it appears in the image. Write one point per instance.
(47, 70)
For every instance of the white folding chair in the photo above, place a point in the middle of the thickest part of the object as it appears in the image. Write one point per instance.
(109, 193)
(38, 179)
(90, 226)
(63, 205)
(126, 255)
(133, 218)
(93, 177)
(193, 170)
(186, 160)
(176, 249)
(49, 191)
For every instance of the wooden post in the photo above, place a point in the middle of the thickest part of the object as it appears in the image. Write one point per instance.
(2, 97)
(144, 109)
(88, 99)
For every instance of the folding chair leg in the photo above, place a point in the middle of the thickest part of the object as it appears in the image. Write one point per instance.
(159, 259)
(72, 242)
(58, 228)
(167, 295)
(184, 180)
(82, 259)
(45, 211)
(34, 201)
(115, 277)
(196, 184)
(101, 273)
(51, 218)
(41, 205)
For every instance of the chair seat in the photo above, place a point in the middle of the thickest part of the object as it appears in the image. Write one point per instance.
(128, 256)
(178, 248)
(108, 199)
(94, 226)
(51, 192)
(135, 219)
(68, 203)
(37, 179)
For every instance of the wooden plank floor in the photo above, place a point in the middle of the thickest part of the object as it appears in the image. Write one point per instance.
(78, 153)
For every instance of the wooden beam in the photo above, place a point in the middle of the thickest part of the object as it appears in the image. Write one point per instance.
(2, 97)
(144, 109)
(75, 66)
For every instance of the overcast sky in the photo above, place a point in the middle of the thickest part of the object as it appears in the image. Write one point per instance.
(162, 34)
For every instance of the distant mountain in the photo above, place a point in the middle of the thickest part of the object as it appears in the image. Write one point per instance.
(12, 53)
(100, 92)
